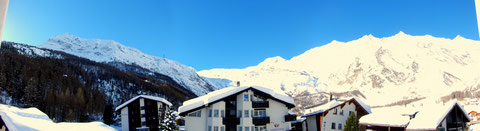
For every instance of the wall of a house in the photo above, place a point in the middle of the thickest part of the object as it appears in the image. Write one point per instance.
(124, 117)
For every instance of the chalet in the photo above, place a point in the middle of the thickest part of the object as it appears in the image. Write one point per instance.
(436, 117)
(447, 117)
(238, 109)
(333, 115)
(387, 119)
(143, 112)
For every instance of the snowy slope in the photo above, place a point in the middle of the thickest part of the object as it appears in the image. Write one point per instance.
(385, 70)
(110, 51)
(26, 119)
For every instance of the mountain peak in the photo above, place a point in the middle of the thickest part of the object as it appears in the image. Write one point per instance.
(64, 35)
(368, 37)
(273, 60)
(401, 33)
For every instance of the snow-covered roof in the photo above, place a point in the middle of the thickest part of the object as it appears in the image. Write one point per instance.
(146, 97)
(25, 119)
(391, 117)
(334, 103)
(225, 92)
(430, 116)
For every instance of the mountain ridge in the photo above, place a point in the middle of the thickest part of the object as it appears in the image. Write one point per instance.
(112, 52)
(386, 70)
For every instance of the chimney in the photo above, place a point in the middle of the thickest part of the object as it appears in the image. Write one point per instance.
(238, 83)
(331, 97)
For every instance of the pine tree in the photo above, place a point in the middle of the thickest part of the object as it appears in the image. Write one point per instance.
(108, 114)
(168, 121)
(352, 123)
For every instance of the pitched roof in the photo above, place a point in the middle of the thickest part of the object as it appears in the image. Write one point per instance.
(430, 116)
(146, 97)
(217, 95)
(332, 104)
(27, 119)
(387, 117)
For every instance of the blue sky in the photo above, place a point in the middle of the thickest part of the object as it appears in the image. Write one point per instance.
(209, 34)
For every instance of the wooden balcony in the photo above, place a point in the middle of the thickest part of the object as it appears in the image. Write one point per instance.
(260, 104)
(231, 121)
(260, 120)
(290, 117)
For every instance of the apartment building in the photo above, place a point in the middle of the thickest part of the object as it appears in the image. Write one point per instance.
(239, 109)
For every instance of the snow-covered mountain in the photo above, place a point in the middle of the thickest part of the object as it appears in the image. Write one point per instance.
(400, 68)
(114, 53)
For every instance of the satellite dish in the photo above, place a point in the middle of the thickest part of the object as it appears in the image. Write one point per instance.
(3, 16)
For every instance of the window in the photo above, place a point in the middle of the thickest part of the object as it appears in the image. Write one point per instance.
(324, 123)
(333, 125)
(199, 113)
(215, 128)
(209, 112)
(246, 113)
(215, 113)
(340, 126)
(144, 123)
(259, 113)
(245, 97)
(223, 114)
(350, 113)
(209, 128)
(222, 128)
(335, 111)
(196, 114)
(143, 115)
(239, 113)
(341, 112)
(260, 128)
(247, 128)
(258, 98)
(142, 107)
(239, 128)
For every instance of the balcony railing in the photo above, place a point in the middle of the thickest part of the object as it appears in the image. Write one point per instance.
(231, 120)
(260, 120)
(290, 117)
(260, 104)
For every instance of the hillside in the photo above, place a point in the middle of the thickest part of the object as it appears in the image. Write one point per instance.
(120, 56)
(383, 71)
(70, 88)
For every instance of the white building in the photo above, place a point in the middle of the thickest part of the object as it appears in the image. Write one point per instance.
(238, 109)
(143, 113)
(432, 117)
(333, 115)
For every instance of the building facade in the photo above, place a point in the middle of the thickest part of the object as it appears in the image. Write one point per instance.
(333, 115)
(143, 113)
(239, 109)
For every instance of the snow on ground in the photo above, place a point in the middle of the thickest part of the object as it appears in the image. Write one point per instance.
(24, 119)
(474, 127)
